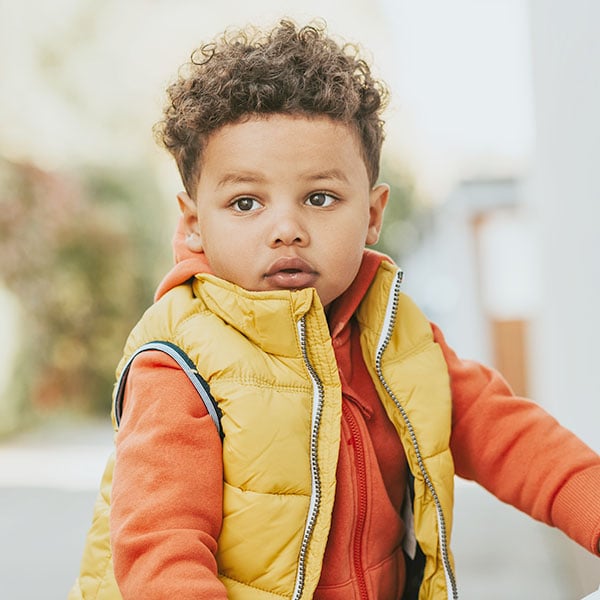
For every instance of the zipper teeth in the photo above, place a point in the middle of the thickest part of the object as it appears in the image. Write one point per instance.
(315, 499)
(390, 319)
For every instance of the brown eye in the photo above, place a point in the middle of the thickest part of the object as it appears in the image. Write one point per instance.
(246, 204)
(320, 199)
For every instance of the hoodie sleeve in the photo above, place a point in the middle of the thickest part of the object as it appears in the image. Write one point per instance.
(520, 453)
(167, 500)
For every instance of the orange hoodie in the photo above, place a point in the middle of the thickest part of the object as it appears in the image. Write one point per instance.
(164, 539)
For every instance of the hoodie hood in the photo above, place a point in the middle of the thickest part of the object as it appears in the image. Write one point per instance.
(187, 264)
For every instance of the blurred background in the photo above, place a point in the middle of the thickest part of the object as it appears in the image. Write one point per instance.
(492, 150)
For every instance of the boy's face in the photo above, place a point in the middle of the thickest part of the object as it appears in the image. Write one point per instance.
(284, 202)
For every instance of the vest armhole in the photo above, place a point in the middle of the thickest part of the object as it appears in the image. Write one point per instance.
(187, 366)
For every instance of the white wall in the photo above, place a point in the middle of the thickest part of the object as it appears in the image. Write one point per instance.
(564, 197)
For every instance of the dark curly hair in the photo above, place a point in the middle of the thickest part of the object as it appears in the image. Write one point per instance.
(287, 70)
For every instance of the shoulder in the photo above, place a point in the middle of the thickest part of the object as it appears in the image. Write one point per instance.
(165, 320)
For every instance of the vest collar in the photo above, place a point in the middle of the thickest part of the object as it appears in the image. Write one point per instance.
(268, 319)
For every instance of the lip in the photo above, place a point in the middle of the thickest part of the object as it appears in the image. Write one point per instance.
(291, 273)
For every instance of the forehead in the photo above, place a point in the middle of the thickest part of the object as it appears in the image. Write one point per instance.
(284, 145)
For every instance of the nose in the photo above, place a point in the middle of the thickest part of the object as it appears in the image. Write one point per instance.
(288, 228)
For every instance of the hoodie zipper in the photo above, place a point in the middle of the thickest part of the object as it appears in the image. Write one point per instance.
(386, 334)
(361, 480)
(315, 496)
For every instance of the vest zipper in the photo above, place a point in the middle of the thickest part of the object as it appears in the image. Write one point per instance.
(359, 456)
(386, 334)
(315, 497)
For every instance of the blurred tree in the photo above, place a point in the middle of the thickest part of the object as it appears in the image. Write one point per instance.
(82, 256)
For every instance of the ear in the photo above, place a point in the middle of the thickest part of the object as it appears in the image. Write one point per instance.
(377, 200)
(189, 212)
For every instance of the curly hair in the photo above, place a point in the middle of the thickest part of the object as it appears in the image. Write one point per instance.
(287, 70)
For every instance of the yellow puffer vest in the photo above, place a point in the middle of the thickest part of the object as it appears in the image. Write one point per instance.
(271, 368)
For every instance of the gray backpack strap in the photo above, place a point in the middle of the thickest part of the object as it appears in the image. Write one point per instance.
(187, 366)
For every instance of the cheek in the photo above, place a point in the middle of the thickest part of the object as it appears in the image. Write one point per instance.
(345, 260)
(349, 250)
(349, 240)
(233, 261)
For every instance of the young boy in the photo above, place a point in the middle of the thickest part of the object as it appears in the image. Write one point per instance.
(298, 434)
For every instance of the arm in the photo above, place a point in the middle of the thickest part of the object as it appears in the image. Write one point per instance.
(166, 507)
(520, 453)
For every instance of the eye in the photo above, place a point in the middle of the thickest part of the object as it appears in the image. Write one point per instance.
(245, 204)
(320, 199)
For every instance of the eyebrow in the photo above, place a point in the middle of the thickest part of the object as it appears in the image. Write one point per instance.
(236, 177)
(239, 177)
(330, 174)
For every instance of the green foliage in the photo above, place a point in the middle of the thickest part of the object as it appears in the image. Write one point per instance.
(82, 255)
